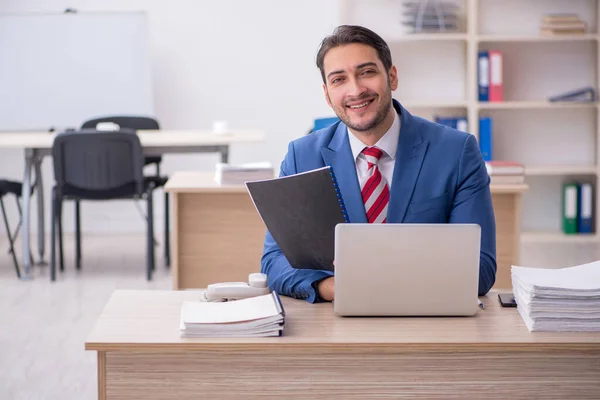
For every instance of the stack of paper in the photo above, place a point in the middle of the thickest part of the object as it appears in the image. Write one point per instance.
(254, 316)
(505, 172)
(228, 174)
(566, 299)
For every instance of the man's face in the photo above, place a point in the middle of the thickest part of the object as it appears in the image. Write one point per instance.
(357, 86)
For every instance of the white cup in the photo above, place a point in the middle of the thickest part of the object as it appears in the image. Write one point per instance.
(220, 127)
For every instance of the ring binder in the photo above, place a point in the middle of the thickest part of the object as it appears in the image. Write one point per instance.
(301, 212)
(339, 194)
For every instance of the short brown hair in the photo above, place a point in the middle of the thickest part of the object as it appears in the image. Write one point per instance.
(347, 34)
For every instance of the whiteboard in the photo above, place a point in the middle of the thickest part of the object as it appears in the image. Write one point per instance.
(58, 70)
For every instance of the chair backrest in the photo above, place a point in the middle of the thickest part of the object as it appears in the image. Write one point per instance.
(92, 163)
(127, 122)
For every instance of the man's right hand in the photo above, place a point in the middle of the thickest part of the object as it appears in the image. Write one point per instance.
(326, 289)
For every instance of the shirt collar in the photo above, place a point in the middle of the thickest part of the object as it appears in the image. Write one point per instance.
(388, 142)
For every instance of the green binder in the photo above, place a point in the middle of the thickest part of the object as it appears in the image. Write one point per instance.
(569, 208)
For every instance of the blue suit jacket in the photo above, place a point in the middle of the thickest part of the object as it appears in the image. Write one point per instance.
(439, 177)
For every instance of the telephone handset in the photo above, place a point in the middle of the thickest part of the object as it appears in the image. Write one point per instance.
(226, 291)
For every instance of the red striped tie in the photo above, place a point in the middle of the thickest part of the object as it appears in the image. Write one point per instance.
(375, 191)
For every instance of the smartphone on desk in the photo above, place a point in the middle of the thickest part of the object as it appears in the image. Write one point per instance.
(507, 300)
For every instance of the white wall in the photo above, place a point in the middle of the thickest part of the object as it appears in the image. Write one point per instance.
(248, 62)
(252, 63)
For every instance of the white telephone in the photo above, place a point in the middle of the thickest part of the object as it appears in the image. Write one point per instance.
(226, 291)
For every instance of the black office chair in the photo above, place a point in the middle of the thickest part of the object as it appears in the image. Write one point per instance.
(15, 188)
(135, 123)
(98, 165)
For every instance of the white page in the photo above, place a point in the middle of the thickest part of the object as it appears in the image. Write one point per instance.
(230, 312)
(582, 277)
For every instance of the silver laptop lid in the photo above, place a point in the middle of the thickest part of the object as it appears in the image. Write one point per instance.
(406, 269)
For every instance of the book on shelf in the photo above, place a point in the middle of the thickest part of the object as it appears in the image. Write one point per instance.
(563, 299)
(490, 76)
(231, 174)
(251, 317)
(562, 24)
(585, 94)
(577, 208)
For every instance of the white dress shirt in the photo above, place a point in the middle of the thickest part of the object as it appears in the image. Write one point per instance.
(388, 144)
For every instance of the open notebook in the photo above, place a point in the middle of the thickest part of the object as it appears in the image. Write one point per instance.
(565, 299)
(254, 316)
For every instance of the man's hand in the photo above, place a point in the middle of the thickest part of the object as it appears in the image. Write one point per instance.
(326, 288)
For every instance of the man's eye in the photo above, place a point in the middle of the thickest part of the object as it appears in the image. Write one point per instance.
(368, 72)
(336, 80)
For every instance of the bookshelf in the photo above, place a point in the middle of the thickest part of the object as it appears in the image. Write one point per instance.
(557, 142)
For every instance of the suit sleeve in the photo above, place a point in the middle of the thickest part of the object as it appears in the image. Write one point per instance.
(281, 276)
(473, 204)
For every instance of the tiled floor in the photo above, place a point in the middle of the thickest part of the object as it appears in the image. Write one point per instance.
(44, 325)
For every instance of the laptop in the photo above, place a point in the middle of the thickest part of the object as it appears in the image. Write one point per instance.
(406, 269)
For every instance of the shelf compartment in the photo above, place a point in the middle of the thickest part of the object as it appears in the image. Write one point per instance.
(557, 237)
(560, 170)
(515, 105)
(535, 39)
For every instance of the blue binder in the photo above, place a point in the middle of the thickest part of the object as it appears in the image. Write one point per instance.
(451, 122)
(584, 208)
(483, 75)
(485, 138)
(321, 123)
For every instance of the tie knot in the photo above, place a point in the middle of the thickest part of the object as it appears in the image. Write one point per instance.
(373, 154)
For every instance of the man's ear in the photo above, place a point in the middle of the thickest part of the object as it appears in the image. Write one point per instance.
(326, 93)
(393, 76)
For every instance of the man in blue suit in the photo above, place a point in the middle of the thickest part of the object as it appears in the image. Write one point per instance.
(391, 167)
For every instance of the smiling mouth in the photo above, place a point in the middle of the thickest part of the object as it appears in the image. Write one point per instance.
(360, 106)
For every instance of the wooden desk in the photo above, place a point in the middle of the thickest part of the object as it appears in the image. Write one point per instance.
(489, 356)
(217, 234)
(507, 210)
(155, 142)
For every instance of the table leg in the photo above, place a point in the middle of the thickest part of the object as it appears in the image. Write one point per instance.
(40, 207)
(224, 150)
(101, 375)
(26, 196)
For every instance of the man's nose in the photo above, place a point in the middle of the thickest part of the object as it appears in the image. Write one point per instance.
(355, 88)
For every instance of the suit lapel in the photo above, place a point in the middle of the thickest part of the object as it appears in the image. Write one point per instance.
(338, 154)
(409, 159)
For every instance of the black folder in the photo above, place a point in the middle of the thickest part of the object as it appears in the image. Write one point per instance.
(301, 212)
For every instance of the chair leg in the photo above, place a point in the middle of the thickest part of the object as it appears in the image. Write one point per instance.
(59, 212)
(19, 227)
(150, 244)
(77, 235)
(53, 220)
(10, 239)
(167, 231)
